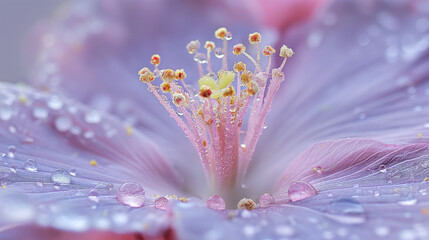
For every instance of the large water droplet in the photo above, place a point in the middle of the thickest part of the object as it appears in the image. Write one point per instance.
(31, 165)
(60, 176)
(40, 113)
(228, 36)
(131, 194)
(55, 103)
(216, 202)
(161, 203)
(63, 124)
(92, 117)
(73, 172)
(346, 211)
(266, 199)
(301, 190)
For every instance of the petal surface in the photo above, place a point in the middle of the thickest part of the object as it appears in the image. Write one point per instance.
(95, 153)
(364, 74)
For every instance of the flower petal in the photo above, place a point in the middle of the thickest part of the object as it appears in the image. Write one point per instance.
(41, 133)
(364, 73)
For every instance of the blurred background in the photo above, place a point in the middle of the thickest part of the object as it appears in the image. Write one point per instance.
(17, 17)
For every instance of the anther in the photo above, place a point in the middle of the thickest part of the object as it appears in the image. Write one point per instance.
(239, 67)
(229, 91)
(246, 77)
(209, 46)
(246, 203)
(168, 75)
(193, 46)
(221, 33)
(155, 59)
(286, 52)
(205, 91)
(252, 88)
(165, 87)
(179, 99)
(255, 38)
(268, 50)
(239, 49)
(146, 75)
(180, 74)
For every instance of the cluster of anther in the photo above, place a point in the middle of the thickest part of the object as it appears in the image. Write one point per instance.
(212, 117)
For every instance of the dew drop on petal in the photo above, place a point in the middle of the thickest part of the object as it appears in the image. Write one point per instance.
(39, 182)
(73, 172)
(11, 152)
(266, 200)
(161, 203)
(216, 202)
(408, 202)
(382, 168)
(63, 124)
(92, 117)
(94, 196)
(60, 176)
(346, 211)
(40, 113)
(301, 190)
(31, 165)
(13, 168)
(6, 113)
(55, 103)
(131, 194)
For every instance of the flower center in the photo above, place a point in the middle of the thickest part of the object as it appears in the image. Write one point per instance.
(213, 118)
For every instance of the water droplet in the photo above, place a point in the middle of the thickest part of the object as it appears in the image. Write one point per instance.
(200, 57)
(161, 203)
(13, 168)
(285, 231)
(55, 103)
(266, 199)
(40, 113)
(301, 190)
(382, 168)
(73, 172)
(408, 202)
(376, 194)
(57, 186)
(63, 124)
(12, 129)
(89, 134)
(92, 117)
(346, 211)
(11, 152)
(382, 231)
(216, 202)
(75, 130)
(31, 165)
(228, 36)
(219, 53)
(93, 195)
(60, 176)
(131, 194)
(6, 113)
(28, 140)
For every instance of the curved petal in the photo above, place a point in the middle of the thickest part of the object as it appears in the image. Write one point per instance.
(41, 133)
(363, 75)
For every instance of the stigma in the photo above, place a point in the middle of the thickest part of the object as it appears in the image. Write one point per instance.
(224, 118)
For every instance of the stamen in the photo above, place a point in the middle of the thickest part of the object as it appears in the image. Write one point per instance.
(213, 119)
(246, 203)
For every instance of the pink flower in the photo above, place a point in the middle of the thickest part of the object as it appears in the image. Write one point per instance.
(92, 154)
